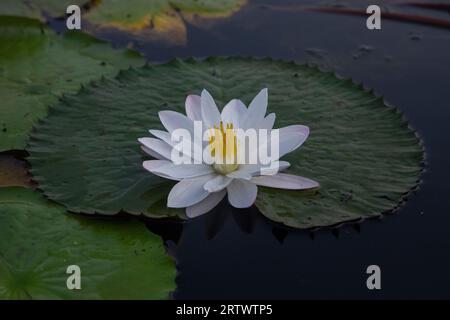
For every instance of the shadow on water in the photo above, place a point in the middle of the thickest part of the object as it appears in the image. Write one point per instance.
(230, 253)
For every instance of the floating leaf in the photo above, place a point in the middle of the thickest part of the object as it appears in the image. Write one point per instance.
(38, 241)
(85, 154)
(37, 8)
(37, 66)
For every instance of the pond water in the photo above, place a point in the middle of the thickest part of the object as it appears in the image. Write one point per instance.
(232, 253)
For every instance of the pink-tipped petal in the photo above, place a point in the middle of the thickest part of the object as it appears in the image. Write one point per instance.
(172, 120)
(210, 113)
(285, 181)
(292, 137)
(267, 122)
(193, 107)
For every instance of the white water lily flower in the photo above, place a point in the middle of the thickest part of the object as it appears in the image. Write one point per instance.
(201, 185)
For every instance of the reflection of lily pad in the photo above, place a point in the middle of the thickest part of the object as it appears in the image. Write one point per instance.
(37, 8)
(136, 14)
(161, 19)
(148, 19)
(208, 7)
(362, 152)
(37, 66)
(38, 241)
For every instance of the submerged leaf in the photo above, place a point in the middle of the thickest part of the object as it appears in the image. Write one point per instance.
(38, 241)
(85, 155)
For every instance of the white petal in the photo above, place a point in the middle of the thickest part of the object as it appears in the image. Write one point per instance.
(285, 181)
(206, 204)
(292, 137)
(177, 145)
(153, 165)
(256, 110)
(242, 193)
(268, 122)
(240, 174)
(152, 153)
(183, 171)
(217, 184)
(210, 113)
(172, 120)
(157, 146)
(234, 112)
(255, 169)
(163, 135)
(193, 107)
(188, 192)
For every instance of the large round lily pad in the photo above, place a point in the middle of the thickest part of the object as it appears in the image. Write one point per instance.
(38, 241)
(85, 154)
(37, 66)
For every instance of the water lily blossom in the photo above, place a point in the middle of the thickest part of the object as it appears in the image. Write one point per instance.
(203, 183)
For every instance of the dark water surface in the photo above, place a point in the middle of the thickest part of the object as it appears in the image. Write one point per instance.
(232, 253)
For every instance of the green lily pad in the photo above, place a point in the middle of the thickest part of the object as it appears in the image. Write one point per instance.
(37, 66)
(37, 8)
(366, 158)
(38, 241)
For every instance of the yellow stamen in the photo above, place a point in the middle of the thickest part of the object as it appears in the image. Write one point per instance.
(224, 148)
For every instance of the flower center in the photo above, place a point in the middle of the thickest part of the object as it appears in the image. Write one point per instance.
(223, 145)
